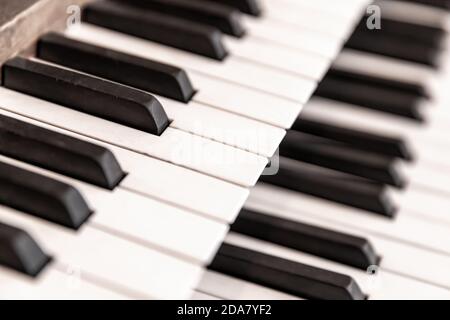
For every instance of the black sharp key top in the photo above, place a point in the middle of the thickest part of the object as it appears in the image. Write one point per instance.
(375, 41)
(250, 7)
(341, 157)
(284, 275)
(350, 250)
(18, 251)
(419, 90)
(224, 18)
(331, 185)
(384, 145)
(42, 197)
(154, 26)
(372, 97)
(97, 97)
(60, 153)
(140, 73)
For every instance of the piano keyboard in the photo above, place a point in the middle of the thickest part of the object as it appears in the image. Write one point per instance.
(134, 149)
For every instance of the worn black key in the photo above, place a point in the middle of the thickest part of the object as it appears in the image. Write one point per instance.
(419, 90)
(18, 251)
(250, 7)
(143, 74)
(158, 27)
(371, 96)
(88, 94)
(344, 248)
(383, 145)
(58, 152)
(379, 42)
(224, 18)
(284, 275)
(331, 185)
(342, 157)
(42, 197)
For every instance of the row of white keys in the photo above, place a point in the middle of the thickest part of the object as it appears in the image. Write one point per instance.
(230, 288)
(175, 146)
(232, 69)
(408, 227)
(167, 182)
(154, 224)
(53, 284)
(221, 126)
(109, 260)
(308, 40)
(225, 94)
(345, 9)
(309, 18)
(385, 285)
(292, 60)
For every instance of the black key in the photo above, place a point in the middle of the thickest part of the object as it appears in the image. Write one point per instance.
(378, 42)
(419, 90)
(140, 73)
(251, 7)
(224, 18)
(444, 4)
(341, 157)
(331, 185)
(42, 197)
(422, 34)
(60, 153)
(154, 26)
(94, 96)
(18, 251)
(344, 248)
(372, 97)
(284, 275)
(383, 145)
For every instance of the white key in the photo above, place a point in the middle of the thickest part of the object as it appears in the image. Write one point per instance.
(307, 40)
(110, 260)
(169, 183)
(175, 146)
(231, 69)
(52, 284)
(385, 67)
(347, 9)
(384, 286)
(415, 13)
(309, 18)
(290, 60)
(149, 222)
(406, 227)
(243, 101)
(397, 255)
(230, 288)
(224, 127)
